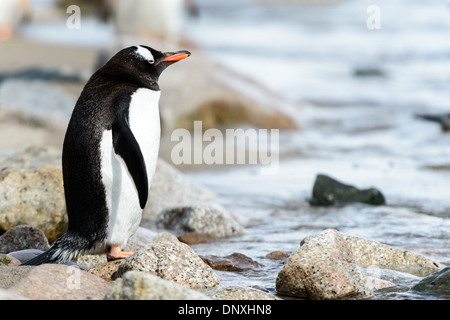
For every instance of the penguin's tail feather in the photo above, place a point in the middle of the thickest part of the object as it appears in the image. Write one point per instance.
(63, 250)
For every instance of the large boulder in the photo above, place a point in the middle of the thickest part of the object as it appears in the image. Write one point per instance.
(323, 268)
(33, 197)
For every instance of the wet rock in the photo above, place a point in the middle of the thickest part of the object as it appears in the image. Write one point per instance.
(375, 254)
(232, 262)
(60, 282)
(323, 268)
(23, 237)
(170, 188)
(173, 261)
(137, 285)
(33, 197)
(210, 220)
(194, 238)
(277, 255)
(328, 191)
(437, 284)
(238, 293)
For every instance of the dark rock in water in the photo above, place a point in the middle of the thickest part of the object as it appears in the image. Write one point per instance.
(368, 72)
(232, 262)
(23, 237)
(328, 191)
(437, 283)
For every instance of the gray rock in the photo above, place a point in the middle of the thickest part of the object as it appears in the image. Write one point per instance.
(328, 191)
(23, 237)
(138, 285)
(375, 254)
(437, 284)
(323, 268)
(173, 261)
(33, 197)
(211, 220)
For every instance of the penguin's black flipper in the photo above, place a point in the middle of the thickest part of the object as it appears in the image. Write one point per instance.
(126, 146)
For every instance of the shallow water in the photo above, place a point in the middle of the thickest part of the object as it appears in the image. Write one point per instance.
(357, 128)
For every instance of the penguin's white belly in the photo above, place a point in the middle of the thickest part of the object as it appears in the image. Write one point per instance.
(121, 194)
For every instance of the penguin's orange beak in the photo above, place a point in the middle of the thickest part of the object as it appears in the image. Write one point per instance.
(177, 56)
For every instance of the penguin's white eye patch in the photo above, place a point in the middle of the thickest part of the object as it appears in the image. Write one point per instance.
(145, 54)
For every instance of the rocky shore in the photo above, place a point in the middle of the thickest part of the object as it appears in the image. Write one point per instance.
(180, 213)
(328, 265)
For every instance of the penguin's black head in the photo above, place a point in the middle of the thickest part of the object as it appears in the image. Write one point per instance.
(142, 64)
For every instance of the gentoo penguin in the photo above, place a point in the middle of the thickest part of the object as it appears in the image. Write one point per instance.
(109, 155)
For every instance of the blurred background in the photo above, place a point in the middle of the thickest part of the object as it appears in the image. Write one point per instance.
(345, 95)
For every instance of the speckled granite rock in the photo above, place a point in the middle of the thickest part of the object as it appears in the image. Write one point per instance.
(23, 237)
(138, 285)
(173, 261)
(323, 268)
(372, 253)
(211, 220)
(33, 197)
(238, 293)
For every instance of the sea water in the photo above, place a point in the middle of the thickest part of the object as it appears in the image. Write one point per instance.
(356, 91)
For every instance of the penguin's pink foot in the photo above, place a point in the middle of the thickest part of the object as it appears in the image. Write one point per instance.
(115, 252)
